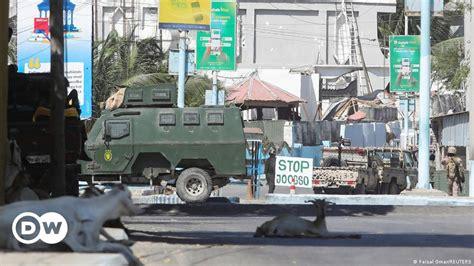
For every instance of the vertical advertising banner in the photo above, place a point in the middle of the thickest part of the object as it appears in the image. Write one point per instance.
(33, 44)
(184, 14)
(405, 63)
(215, 49)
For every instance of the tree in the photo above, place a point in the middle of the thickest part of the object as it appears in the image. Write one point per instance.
(449, 63)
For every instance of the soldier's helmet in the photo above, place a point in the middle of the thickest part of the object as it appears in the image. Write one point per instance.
(271, 151)
(452, 150)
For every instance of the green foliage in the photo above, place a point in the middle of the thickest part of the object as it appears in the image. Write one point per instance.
(121, 61)
(195, 90)
(448, 60)
(394, 24)
(448, 63)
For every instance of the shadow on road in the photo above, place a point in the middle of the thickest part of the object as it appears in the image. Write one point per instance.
(245, 238)
(261, 210)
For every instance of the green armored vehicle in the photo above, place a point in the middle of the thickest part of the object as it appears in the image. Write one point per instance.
(148, 139)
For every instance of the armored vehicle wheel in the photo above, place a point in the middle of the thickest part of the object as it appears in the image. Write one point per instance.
(393, 188)
(194, 185)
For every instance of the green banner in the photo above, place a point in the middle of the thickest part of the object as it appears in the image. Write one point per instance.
(405, 63)
(215, 49)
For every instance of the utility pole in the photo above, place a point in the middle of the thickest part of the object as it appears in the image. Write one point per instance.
(181, 68)
(215, 94)
(96, 22)
(406, 108)
(4, 8)
(470, 100)
(425, 89)
(57, 98)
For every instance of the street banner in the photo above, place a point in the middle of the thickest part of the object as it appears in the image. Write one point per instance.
(216, 48)
(184, 14)
(297, 168)
(405, 63)
(33, 44)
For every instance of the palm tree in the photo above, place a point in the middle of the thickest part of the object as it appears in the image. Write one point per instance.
(448, 62)
(123, 62)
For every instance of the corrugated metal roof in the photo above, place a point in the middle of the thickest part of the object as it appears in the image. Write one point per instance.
(455, 130)
(253, 91)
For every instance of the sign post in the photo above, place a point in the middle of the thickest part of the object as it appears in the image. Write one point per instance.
(184, 15)
(294, 172)
(215, 49)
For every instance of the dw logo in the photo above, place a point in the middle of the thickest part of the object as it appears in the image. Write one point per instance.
(28, 228)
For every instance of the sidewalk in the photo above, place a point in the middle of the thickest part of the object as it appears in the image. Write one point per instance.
(412, 199)
(60, 258)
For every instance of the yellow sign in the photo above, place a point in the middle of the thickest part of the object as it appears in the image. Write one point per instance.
(185, 14)
(108, 155)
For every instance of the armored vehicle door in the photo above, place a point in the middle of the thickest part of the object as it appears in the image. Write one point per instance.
(117, 150)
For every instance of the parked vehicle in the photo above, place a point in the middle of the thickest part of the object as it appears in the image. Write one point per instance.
(148, 140)
(364, 170)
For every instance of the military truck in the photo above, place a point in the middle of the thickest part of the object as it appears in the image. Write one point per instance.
(364, 170)
(148, 139)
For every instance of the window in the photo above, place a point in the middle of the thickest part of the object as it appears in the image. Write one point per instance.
(134, 95)
(117, 129)
(167, 119)
(215, 118)
(191, 118)
(161, 95)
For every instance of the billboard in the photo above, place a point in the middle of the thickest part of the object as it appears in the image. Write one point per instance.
(33, 44)
(405, 63)
(184, 14)
(216, 48)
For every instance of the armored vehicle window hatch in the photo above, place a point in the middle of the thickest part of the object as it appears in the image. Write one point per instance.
(161, 95)
(117, 129)
(135, 95)
(167, 119)
(215, 117)
(191, 118)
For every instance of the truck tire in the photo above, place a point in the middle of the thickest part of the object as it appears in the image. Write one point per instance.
(194, 185)
(333, 162)
(393, 188)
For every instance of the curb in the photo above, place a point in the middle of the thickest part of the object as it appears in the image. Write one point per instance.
(371, 200)
(174, 199)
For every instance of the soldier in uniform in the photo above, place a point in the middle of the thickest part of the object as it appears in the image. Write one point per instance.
(432, 169)
(270, 170)
(455, 171)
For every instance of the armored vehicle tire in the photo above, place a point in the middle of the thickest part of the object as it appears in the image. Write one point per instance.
(333, 162)
(393, 188)
(194, 185)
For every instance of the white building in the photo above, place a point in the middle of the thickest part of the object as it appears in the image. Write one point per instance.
(293, 44)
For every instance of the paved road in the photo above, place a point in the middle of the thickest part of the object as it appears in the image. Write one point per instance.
(222, 234)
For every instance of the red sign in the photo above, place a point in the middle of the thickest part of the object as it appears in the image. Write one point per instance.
(41, 25)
